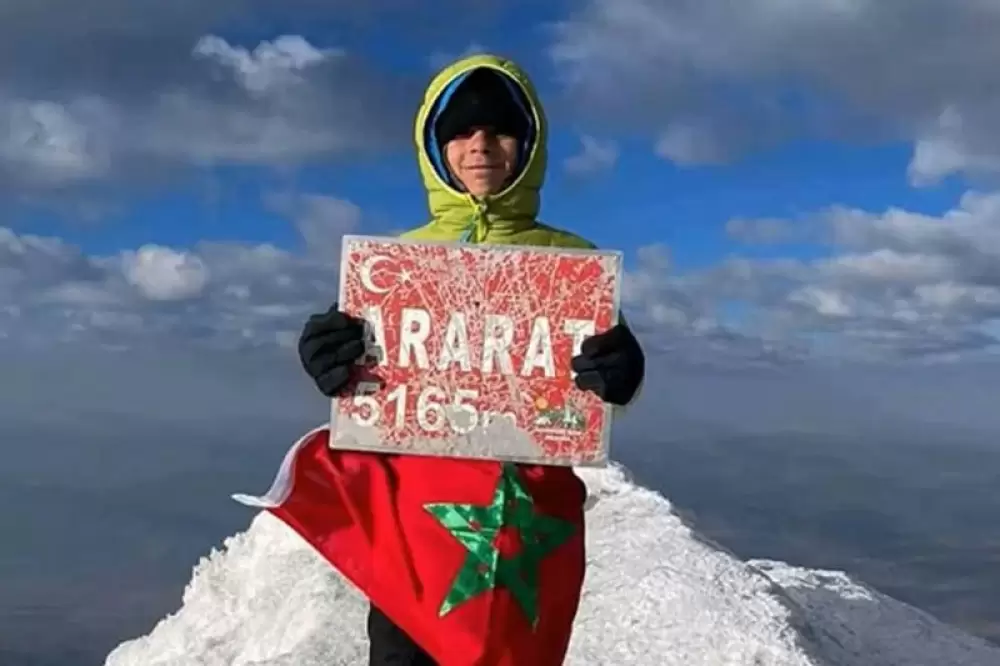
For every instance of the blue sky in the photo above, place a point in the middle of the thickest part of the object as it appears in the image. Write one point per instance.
(644, 199)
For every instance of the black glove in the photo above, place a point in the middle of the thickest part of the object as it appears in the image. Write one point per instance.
(611, 365)
(330, 342)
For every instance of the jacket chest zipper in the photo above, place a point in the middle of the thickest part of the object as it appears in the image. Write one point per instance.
(477, 227)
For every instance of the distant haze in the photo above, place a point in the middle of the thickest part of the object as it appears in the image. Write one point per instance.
(117, 470)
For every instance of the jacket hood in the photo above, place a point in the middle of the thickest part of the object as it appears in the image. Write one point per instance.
(517, 206)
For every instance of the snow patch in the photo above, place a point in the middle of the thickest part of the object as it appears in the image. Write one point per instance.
(657, 594)
(854, 624)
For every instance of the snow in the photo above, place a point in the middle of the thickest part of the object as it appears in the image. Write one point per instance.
(657, 594)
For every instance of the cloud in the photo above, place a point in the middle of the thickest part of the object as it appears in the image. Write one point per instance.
(439, 59)
(320, 220)
(50, 143)
(596, 155)
(711, 80)
(765, 231)
(221, 295)
(161, 274)
(877, 285)
(283, 102)
(890, 285)
(134, 91)
(271, 67)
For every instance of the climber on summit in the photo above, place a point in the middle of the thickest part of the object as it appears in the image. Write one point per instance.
(481, 147)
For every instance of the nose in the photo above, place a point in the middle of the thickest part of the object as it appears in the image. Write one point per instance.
(481, 139)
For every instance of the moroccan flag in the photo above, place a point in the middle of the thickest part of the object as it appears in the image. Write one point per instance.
(480, 562)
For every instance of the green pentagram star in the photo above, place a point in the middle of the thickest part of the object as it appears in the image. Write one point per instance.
(478, 528)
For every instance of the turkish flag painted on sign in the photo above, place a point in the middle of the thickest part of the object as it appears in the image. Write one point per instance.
(480, 562)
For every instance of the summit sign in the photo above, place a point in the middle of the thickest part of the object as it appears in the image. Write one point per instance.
(468, 350)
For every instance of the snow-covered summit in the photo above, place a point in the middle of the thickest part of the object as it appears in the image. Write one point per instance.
(657, 594)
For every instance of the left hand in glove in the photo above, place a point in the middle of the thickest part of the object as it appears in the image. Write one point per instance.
(611, 365)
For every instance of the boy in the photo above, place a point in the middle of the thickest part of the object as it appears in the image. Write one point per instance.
(481, 147)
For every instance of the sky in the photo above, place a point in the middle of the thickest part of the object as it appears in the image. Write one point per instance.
(806, 194)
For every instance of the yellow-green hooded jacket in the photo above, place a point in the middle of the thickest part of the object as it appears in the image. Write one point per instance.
(508, 218)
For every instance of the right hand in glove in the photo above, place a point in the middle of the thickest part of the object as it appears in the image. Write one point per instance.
(329, 344)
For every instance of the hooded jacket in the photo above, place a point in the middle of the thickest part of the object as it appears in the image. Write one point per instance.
(509, 217)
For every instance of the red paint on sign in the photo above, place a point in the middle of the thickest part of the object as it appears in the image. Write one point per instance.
(465, 336)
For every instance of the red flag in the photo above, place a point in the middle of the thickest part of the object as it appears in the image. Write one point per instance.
(480, 562)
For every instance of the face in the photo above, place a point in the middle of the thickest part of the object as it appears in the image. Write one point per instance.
(482, 160)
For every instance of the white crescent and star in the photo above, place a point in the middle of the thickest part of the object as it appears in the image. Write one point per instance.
(368, 266)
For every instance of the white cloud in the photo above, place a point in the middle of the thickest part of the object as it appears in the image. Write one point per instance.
(219, 294)
(689, 143)
(712, 79)
(224, 295)
(947, 147)
(827, 302)
(204, 100)
(50, 142)
(439, 59)
(271, 67)
(892, 284)
(320, 220)
(764, 231)
(595, 155)
(163, 274)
